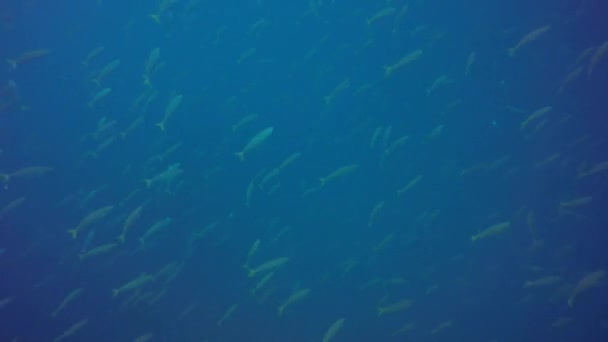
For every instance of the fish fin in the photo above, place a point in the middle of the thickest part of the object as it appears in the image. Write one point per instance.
(387, 71)
(73, 233)
(571, 302)
(155, 17)
(146, 80)
(11, 63)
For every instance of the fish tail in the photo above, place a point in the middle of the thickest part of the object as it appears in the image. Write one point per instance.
(115, 292)
(240, 155)
(387, 71)
(148, 182)
(11, 63)
(155, 17)
(147, 81)
(73, 233)
(161, 125)
(322, 180)
(121, 238)
(511, 52)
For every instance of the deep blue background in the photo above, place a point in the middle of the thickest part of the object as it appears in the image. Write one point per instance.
(303, 50)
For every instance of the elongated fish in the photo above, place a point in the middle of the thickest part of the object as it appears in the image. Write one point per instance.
(257, 139)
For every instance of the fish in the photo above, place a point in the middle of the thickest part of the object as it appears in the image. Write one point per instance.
(98, 96)
(67, 300)
(26, 57)
(589, 281)
(470, 61)
(151, 65)
(71, 330)
(383, 13)
(172, 106)
(12, 205)
(405, 328)
(596, 58)
(144, 338)
(136, 283)
(254, 142)
(163, 6)
(394, 307)
(338, 173)
(409, 185)
(131, 219)
(5, 301)
(87, 242)
(227, 314)
(244, 121)
(491, 230)
(575, 202)
(442, 326)
(155, 229)
(405, 60)
(345, 84)
(91, 218)
(97, 250)
(534, 116)
(544, 281)
(597, 168)
(92, 54)
(267, 266)
(528, 38)
(252, 250)
(105, 71)
(333, 329)
(166, 176)
(374, 214)
(262, 282)
(29, 172)
(293, 298)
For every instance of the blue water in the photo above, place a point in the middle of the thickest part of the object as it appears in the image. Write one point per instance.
(363, 241)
